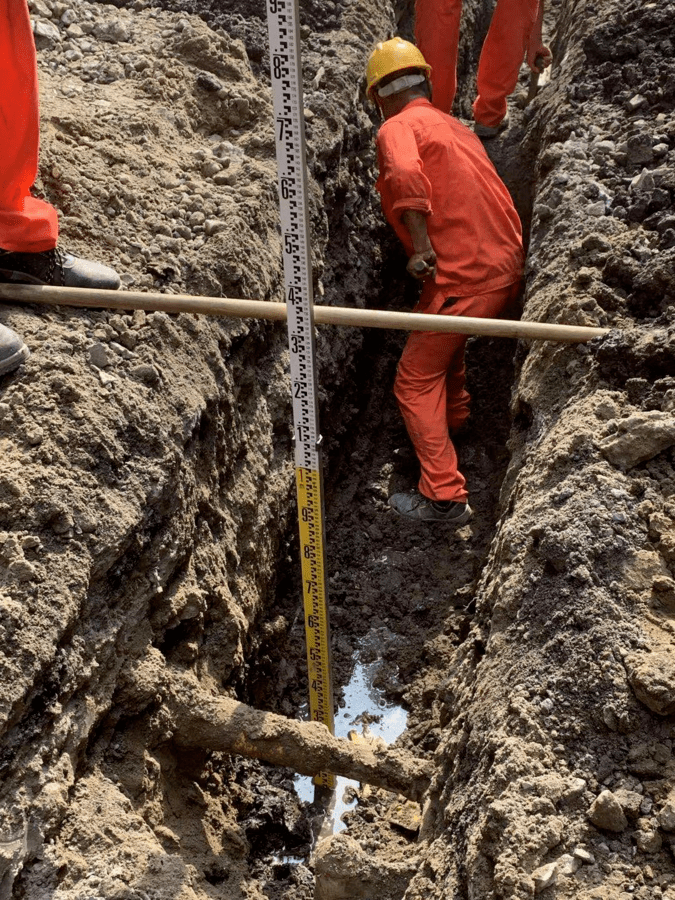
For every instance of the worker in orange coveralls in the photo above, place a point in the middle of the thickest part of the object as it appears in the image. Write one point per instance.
(28, 226)
(515, 31)
(462, 233)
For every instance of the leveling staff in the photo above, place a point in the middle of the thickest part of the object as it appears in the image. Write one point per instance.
(461, 231)
(28, 226)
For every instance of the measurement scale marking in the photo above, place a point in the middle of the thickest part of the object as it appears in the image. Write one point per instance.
(286, 73)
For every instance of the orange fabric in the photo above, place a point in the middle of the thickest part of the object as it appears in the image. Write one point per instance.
(27, 224)
(437, 36)
(432, 163)
(430, 390)
(501, 58)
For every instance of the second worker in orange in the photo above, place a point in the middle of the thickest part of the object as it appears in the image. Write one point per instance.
(462, 234)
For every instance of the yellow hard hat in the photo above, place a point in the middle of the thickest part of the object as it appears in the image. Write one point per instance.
(392, 56)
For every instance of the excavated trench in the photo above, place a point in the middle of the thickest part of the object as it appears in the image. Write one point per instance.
(146, 501)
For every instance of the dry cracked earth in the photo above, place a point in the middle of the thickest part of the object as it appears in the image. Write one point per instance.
(147, 500)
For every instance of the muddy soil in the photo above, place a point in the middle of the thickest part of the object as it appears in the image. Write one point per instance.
(146, 489)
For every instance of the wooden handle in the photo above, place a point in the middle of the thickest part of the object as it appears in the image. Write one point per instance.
(323, 315)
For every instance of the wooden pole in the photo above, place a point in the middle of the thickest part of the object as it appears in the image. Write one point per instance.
(323, 315)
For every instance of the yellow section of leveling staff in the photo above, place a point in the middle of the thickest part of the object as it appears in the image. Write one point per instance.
(310, 509)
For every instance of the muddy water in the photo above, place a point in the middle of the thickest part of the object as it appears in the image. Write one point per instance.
(365, 713)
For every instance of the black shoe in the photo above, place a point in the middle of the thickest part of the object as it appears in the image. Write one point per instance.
(13, 351)
(487, 131)
(53, 267)
(414, 505)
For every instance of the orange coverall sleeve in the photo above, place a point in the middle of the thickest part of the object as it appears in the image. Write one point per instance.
(402, 183)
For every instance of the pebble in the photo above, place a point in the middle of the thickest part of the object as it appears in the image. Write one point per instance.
(208, 82)
(598, 208)
(145, 373)
(121, 351)
(568, 865)
(636, 102)
(648, 839)
(544, 877)
(113, 31)
(584, 856)
(99, 356)
(639, 149)
(209, 169)
(41, 9)
(213, 226)
(667, 815)
(575, 788)
(22, 570)
(35, 436)
(605, 812)
(643, 182)
(46, 35)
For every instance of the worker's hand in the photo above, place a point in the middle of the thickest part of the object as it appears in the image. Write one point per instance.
(539, 56)
(422, 265)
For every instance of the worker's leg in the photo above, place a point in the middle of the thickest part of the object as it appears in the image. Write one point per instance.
(437, 36)
(501, 58)
(457, 397)
(26, 223)
(421, 392)
(421, 389)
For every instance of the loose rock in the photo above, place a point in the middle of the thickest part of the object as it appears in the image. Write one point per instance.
(606, 813)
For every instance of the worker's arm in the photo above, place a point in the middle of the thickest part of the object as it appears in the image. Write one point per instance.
(406, 193)
(422, 263)
(539, 56)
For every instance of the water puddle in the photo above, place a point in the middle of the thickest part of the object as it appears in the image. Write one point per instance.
(367, 712)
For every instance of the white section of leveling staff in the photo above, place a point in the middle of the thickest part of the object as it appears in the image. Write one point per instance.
(286, 73)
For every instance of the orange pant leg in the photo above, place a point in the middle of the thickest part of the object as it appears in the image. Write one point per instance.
(437, 36)
(458, 400)
(432, 364)
(501, 58)
(26, 223)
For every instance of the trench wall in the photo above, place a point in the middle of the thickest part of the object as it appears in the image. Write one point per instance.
(147, 462)
(556, 771)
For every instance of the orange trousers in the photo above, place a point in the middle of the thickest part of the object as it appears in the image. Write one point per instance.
(27, 224)
(429, 388)
(437, 36)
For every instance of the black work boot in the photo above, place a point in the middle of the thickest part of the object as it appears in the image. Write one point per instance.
(13, 351)
(56, 268)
